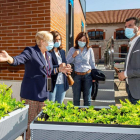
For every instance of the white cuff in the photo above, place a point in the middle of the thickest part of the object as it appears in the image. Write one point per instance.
(125, 74)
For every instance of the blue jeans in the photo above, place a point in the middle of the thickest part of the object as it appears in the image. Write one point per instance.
(131, 99)
(83, 82)
(58, 93)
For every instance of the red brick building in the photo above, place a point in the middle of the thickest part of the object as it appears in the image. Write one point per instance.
(21, 19)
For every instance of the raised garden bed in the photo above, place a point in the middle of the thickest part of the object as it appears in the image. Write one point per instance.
(14, 125)
(13, 115)
(45, 127)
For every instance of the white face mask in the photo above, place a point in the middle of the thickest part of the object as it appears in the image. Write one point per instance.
(50, 46)
(81, 44)
(129, 32)
(57, 44)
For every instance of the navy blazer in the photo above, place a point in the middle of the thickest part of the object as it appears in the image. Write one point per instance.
(55, 65)
(34, 84)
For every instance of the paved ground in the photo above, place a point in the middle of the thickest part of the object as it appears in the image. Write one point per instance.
(120, 95)
(120, 91)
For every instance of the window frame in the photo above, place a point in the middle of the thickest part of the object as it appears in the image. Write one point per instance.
(119, 30)
(95, 35)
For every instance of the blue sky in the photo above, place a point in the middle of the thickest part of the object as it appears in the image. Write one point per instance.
(104, 5)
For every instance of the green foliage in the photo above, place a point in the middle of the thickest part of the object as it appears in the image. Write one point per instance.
(128, 114)
(7, 104)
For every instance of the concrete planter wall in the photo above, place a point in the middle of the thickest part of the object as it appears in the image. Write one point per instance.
(14, 125)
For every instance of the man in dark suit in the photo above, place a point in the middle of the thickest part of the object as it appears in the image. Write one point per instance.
(132, 65)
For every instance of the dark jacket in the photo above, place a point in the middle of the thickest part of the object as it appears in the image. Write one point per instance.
(133, 70)
(34, 84)
(55, 65)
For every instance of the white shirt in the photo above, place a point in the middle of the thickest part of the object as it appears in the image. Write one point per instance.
(131, 43)
(60, 79)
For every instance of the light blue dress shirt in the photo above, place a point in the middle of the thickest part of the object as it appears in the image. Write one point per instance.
(84, 61)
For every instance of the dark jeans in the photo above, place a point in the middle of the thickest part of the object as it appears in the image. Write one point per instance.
(84, 82)
(131, 99)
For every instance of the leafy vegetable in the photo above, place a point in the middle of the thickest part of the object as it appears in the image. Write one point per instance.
(7, 104)
(128, 114)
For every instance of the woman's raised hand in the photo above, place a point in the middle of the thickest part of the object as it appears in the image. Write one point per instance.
(75, 53)
(62, 65)
(65, 69)
(4, 56)
(68, 65)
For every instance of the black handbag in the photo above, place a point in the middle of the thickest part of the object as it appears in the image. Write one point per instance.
(94, 90)
(97, 75)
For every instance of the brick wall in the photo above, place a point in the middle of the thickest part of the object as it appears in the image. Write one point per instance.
(78, 16)
(21, 19)
(58, 18)
(19, 22)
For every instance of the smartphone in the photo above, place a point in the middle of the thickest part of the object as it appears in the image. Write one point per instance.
(49, 84)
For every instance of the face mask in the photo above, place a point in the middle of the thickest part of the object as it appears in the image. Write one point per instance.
(50, 46)
(57, 44)
(129, 32)
(81, 44)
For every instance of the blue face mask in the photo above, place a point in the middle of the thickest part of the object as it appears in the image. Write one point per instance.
(57, 44)
(129, 32)
(81, 44)
(50, 46)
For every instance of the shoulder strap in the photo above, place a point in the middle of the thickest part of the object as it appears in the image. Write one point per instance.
(49, 66)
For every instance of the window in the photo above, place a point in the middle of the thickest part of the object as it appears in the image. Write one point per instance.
(120, 34)
(95, 35)
(123, 50)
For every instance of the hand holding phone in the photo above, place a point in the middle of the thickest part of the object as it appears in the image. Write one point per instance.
(117, 70)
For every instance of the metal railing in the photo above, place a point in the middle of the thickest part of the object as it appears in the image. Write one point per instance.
(120, 58)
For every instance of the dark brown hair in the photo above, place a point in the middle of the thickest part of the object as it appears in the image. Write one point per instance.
(80, 35)
(137, 21)
(55, 34)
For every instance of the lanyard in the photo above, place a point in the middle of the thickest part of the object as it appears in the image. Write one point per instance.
(48, 68)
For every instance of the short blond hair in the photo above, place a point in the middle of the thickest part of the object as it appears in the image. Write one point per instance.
(43, 35)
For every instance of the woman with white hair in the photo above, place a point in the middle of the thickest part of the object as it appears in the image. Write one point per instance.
(38, 66)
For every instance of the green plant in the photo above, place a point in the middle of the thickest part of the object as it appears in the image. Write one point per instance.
(7, 104)
(128, 114)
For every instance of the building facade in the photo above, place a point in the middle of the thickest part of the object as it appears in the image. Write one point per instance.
(103, 25)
